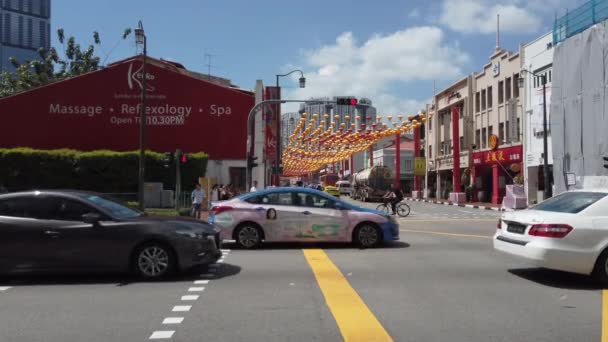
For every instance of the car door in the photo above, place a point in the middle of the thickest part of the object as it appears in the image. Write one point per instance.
(281, 219)
(24, 241)
(323, 222)
(76, 244)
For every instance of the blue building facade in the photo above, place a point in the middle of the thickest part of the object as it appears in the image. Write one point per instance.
(25, 27)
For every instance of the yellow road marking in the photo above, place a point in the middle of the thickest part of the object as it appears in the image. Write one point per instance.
(444, 220)
(448, 234)
(355, 320)
(604, 315)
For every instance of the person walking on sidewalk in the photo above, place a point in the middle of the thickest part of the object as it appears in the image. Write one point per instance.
(254, 188)
(198, 196)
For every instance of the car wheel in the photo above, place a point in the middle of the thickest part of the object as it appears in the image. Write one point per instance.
(153, 261)
(368, 235)
(248, 236)
(600, 273)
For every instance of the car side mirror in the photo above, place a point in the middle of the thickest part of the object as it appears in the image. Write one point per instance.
(91, 218)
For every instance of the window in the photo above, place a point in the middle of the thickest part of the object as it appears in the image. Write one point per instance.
(477, 139)
(507, 133)
(115, 208)
(42, 29)
(461, 143)
(409, 165)
(311, 200)
(549, 77)
(490, 131)
(7, 28)
(30, 6)
(30, 29)
(484, 139)
(20, 31)
(483, 99)
(430, 151)
(570, 202)
(508, 89)
(518, 132)
(477, 108)
(69, 210)
(501, 127)
(276, 198)
(490, 99)
(26, 206)
(430, 124)
(21, 5)
(515, 86)
(501, 92)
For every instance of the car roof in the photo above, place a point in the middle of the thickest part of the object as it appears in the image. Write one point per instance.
(48, 192)
(602, 190)
(281, 190)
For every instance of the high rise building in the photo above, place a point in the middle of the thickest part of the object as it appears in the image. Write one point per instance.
(25, 27)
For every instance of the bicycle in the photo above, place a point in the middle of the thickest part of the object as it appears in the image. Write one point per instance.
(403, 210)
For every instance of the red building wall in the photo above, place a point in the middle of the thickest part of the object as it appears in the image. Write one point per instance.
(100, 110)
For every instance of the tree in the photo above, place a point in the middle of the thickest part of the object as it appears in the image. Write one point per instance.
(52, 67)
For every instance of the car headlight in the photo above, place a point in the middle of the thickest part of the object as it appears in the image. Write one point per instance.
(192, 235)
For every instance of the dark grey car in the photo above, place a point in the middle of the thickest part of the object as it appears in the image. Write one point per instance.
(53, 231)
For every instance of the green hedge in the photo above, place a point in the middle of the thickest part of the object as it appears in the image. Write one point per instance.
(102, 171)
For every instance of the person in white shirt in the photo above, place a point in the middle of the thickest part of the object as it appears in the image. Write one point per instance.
(198, 196)
(254, 188)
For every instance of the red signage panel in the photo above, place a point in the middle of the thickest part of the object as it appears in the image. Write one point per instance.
(101, 110)
(507, 155)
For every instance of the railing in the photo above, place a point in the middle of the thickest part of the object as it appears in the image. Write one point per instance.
(580, 19)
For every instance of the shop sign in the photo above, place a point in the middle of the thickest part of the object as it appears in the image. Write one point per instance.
(504, 155)
(419, 166)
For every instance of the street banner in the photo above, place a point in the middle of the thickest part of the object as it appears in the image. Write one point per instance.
(419, 166)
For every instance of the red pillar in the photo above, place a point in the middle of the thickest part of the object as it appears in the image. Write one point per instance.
(456, 150)
(416, 154)
(397, 161)
(342, 168)
(371, 155)
(495, 192)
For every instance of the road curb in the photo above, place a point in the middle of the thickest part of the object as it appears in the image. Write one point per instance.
(462, 205)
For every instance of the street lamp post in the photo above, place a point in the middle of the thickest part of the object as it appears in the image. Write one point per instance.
(543, 78)
(140, 39)
(302, 82)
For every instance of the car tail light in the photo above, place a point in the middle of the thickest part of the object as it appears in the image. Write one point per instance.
(220, 209)
(550, 230)
(499, 224)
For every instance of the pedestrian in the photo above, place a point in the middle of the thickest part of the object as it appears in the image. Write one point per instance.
(215, 193)
(254, 187)
(198, 196)
(223, 193)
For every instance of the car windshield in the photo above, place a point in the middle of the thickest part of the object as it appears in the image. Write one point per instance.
(570, 202)
(114, 208)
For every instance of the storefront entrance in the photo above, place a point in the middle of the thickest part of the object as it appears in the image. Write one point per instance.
(492, 173)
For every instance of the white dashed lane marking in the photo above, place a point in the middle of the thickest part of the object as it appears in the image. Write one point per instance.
(167, 334)
(182, 308)
(162, 335)
(173, 320)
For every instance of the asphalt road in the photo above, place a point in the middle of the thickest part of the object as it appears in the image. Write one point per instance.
(441, 282)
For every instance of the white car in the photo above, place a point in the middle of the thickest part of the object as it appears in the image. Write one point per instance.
(568, 232)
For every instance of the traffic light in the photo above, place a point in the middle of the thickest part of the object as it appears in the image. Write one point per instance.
(606, 162)
(347, 101)
(184, 159)
(251, 161)
(168, 160)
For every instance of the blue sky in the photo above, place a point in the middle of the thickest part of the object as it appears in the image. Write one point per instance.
(388, 50)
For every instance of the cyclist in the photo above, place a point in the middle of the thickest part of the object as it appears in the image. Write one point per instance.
(394, 195)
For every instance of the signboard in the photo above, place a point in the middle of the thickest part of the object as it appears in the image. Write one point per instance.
(270, 119)
(506, 155)
(101, 110)
(493, 142)
(419, 166)
(570, 179)
(512, 118)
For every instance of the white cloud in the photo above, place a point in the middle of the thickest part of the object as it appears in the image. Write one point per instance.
(375, 67)
(479, 16)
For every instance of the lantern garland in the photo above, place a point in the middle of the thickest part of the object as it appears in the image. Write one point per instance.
(315, 142)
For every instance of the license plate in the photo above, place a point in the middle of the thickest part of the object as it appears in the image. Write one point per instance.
(516, 228)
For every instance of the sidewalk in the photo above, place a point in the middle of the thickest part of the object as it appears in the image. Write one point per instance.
(474, 205)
